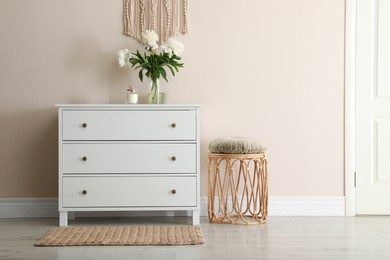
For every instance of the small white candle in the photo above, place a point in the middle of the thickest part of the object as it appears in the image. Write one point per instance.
(131, 98)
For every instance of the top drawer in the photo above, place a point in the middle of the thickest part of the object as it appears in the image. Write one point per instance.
(129, 125)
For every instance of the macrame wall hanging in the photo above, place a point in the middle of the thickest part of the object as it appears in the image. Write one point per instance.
(167, 18)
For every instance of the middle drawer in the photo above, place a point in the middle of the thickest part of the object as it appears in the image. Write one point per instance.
(128, 158)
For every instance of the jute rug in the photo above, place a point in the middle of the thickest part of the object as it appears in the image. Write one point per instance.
(123, 236)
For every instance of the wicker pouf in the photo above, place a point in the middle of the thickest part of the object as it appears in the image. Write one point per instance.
(237, 179)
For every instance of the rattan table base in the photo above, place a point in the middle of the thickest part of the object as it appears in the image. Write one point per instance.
(237, 188)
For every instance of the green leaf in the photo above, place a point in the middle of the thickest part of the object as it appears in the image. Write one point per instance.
(175, 67)
(163, 74)
(172, 71)
(141, 75)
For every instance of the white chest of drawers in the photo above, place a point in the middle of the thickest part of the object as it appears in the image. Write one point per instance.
(128, 158)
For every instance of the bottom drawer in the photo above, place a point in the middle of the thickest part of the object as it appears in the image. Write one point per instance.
(127, 191)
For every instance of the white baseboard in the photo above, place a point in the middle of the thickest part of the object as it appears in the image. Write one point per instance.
(306, 206)
(298, 206)
(277, 206)
(29, 208)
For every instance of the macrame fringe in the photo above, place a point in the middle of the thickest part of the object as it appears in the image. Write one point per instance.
(184, 24)
(167, 18)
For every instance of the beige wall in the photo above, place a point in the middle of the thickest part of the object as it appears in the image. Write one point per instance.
(267, 69)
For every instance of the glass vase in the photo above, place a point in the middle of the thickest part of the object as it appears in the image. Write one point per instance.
(154, 96)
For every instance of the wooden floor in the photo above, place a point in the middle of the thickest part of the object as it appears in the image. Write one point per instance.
(280, 238)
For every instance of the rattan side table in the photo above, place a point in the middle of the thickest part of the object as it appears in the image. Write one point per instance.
(237, 188)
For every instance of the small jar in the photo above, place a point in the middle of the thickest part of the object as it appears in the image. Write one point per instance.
(131, 96)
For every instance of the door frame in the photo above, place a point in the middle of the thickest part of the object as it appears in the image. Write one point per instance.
(349, 108)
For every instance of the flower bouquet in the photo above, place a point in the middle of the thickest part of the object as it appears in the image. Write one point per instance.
(154, 62)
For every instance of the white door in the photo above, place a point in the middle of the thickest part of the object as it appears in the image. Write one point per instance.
(373, 107)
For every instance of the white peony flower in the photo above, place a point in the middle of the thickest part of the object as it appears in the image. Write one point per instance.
(123, 58)
(173, 46)
(122, 53)
(150, 39)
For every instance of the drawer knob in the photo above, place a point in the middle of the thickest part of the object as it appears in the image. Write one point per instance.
(173, 158)
(84, 125)
(173, 125)
(84, 192)
(173, 191)
(85, 158)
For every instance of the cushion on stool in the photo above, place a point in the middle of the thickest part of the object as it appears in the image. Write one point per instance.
(236, 145)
